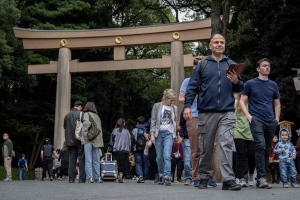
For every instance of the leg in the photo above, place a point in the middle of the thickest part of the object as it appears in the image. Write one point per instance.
(159, 153)
(167, 150)
(145, 166)
(269, 131)
(96, 163)
(179, 168)
(138, 164)
(20, 173)
(81, 158)
(8, 167)
(173, 166)
(256, 127)
(73, 153)
(187, 159)
(283, 172)
(292, 172)
(24, 174)
(207, 127)
(225, 131)
(193, 133)
(50, 167)
(88, 160)
(44, 168)
(152, 158)
(251, 156)
(240, 146)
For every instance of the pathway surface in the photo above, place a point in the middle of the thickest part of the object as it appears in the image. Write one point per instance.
(130, 190)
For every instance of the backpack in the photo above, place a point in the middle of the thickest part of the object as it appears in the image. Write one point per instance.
(22, 163)
(140, 140)
(78, 129)
(95, 130)
(203, 65)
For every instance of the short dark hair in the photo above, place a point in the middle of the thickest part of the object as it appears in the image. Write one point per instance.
(141, 119)
(213, 35)
(262, 60)
(90, 107)
(78, 103)
(6, 134)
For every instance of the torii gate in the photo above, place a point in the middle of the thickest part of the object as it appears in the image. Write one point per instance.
(66, 40)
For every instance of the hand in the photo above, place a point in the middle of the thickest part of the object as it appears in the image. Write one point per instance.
(232, 76)
(249, 118)
(86, 139)
(26, 169)
(146, 136)
(294, 156)
(152, 139)
(187, 114)
(283, 149)
(108, 153)
(179, 139)
(8, 158)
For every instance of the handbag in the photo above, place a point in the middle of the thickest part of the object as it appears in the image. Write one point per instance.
(177, 122)
(177, 153)
(94, 130)
(78, 129)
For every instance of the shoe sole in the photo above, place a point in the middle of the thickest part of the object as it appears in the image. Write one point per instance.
(264, 187)
(233, 188)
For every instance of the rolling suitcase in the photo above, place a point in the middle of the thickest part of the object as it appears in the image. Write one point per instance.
(109, 168)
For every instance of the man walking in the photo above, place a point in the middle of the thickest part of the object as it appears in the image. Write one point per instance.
(216, 111)
(7, 155)
(261, 92)
(23, 167)
(75, 148)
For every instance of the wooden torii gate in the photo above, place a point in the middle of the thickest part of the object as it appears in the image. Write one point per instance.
(66, 40)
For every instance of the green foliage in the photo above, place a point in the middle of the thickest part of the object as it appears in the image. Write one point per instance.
(30, 174)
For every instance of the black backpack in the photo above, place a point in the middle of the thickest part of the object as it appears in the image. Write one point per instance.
(140, 140)
(22, 163)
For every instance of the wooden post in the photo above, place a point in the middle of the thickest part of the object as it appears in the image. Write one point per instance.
(177, 69)
(63, 95)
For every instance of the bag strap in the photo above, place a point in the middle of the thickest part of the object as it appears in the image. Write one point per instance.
(80, 116)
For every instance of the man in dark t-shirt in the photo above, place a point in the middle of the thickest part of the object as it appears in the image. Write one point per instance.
(46, 155)
(261, 93)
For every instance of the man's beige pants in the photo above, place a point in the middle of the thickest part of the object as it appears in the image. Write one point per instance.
(7, 165)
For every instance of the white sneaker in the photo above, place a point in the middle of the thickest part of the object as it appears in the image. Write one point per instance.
(294, 185)
(251, 181)
(243, 182)
(285, 185)
(237, 181)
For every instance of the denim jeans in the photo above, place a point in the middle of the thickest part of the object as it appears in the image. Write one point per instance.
(92, 161)
(22, 174)
(163, 145)
(187, 159)
(287, 167)
(263, 133)
(141, 164)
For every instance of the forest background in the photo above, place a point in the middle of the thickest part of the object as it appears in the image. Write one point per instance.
(259, 28)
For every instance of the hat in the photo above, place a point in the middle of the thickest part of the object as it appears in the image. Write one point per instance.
(78, 103)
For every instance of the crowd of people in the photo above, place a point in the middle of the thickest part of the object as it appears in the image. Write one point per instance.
(216, 102)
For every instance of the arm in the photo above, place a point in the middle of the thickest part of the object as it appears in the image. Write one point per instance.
(10, 148)
(26, 165)
(239, 86)
(243, 101)
(153, 122)
(277, 108)
(277, 149)
(181, 97)
(182, 124)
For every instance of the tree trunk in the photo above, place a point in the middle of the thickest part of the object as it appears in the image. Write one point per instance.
(36, 151)
(225, 19)
(216, 7)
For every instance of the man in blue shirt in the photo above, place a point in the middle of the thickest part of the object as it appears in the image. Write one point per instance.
(261, 93)
(23, 167)
(216, 111)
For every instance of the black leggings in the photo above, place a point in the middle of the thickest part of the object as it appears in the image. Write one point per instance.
(47, 165)
(244, 149)
(176, 162)
(122, 162)
(152, 158)
(275, 167)
(63, 172)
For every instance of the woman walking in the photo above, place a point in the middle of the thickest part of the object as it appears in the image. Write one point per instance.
(92, 142)
(163, 132)
(64, 158)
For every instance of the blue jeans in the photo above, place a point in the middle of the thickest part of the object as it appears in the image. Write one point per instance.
(22, 174)
(163, 145)
(92, 161)
(187, 159)
(287, 167)
(141, 164)
(263, 133)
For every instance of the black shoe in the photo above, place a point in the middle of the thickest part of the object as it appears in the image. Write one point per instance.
(203, 184)
(161, 180)
(231, 185)
(167, 182)
(71, 181)
(81, 181)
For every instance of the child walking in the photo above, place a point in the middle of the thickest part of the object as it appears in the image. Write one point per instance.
(177, 156)
(286, 151)
(274, 161)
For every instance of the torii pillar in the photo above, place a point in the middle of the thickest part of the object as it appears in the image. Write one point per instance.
(63, 95)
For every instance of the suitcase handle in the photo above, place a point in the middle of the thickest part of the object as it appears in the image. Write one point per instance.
(106, 157)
